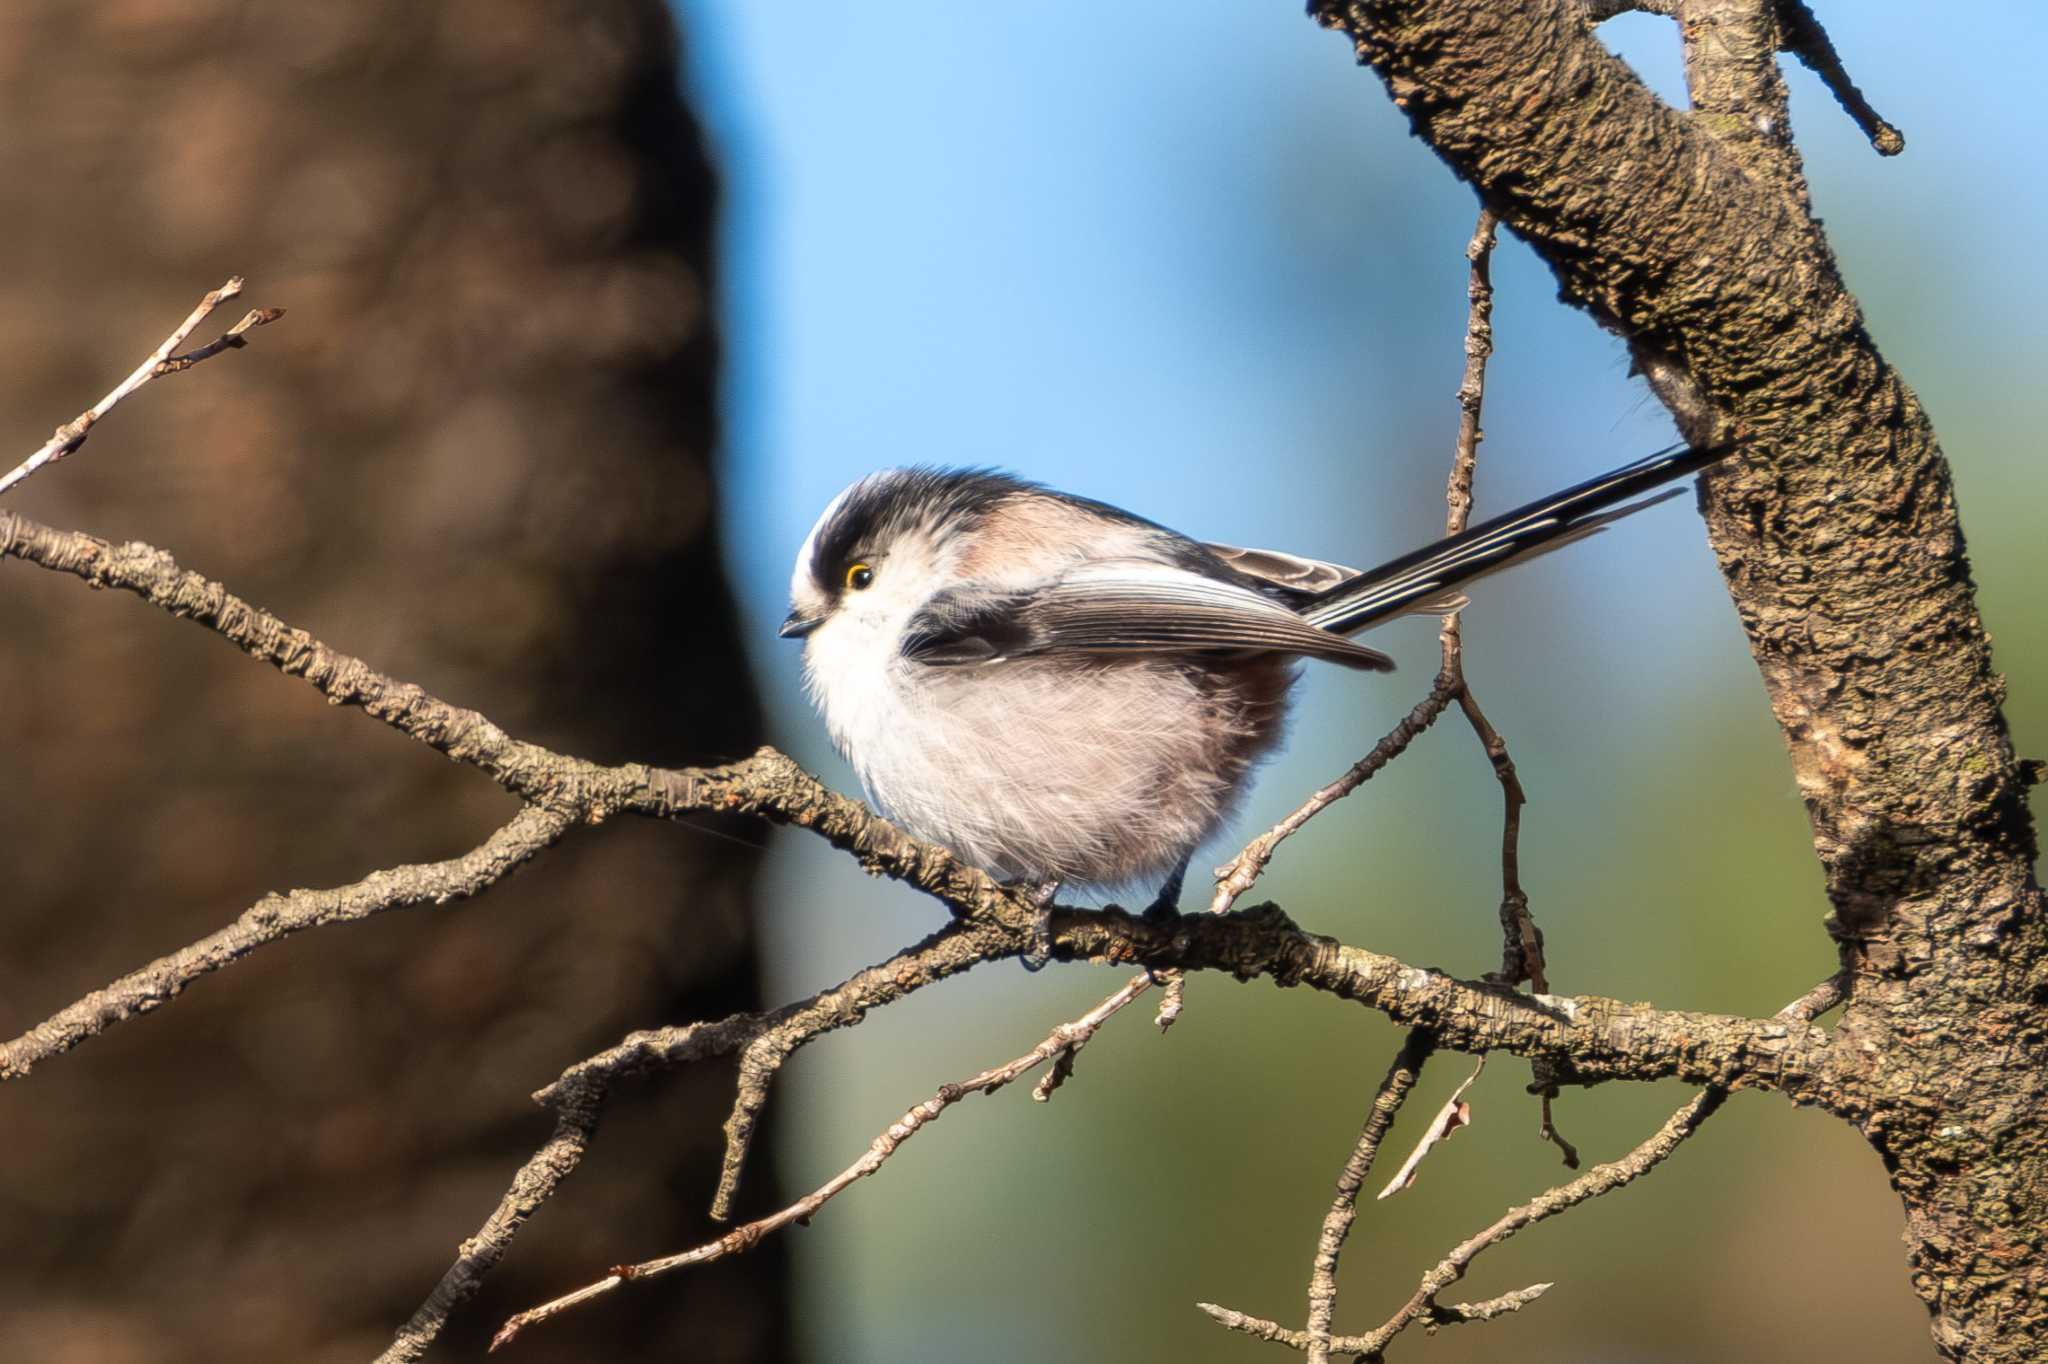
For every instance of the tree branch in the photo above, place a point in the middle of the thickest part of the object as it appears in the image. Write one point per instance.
(1590, 1039)
(1242, 872)
(1386, 1105)
(1601, 1179)
(1059, 1048)
(1630, 1042)
(68, 437)
(1837, 530)
(1801, 34)
(578, 1098)
(276, 917)
(1587, 1040)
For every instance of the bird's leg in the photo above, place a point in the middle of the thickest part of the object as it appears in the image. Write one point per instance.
(1038, 947)
(1166, 904)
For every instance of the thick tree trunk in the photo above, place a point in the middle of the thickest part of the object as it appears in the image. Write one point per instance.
(1690, 236)
(478, 451)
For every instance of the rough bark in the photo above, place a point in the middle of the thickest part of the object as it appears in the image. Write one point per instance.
(1689, 235)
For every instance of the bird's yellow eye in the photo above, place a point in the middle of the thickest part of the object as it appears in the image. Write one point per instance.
(860, 577)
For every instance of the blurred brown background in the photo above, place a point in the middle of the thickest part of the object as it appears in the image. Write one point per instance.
(477, 454)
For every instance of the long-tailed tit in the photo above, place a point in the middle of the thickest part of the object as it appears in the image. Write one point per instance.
(1060, 691)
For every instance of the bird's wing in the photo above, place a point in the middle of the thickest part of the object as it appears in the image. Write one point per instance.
(1292, 573)
(1289, 571)
(1120, 607)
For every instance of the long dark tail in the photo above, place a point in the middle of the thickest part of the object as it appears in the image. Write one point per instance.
(1435, 572)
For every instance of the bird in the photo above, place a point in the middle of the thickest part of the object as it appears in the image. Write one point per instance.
(1062, 692)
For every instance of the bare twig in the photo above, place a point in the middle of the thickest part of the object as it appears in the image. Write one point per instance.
(1449, 1314)
(1059, 1048)
(1242, 872)
(1386, 1104)
(1521, 952)
(1799, 33)
(1472, 385)
(531, 1188)
(1803, 37)
(1601, 1179)
(1238, 875)
(579, 1095)
(1548, 1131)
(68, 437)
(276, 917)
(1521, 941)
(1454, 1114)
(1457, 1313)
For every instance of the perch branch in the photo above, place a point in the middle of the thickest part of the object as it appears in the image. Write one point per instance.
(1593, 1039)
(72, 434)
(1596, 1038)
(1059, 1048)
(1599, 1038)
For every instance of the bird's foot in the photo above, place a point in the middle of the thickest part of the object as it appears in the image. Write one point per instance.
(1166, 904)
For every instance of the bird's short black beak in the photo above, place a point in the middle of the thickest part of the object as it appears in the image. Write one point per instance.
(796, 625)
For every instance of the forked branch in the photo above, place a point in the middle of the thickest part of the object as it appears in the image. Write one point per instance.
(1059, 1048)
(163, 360)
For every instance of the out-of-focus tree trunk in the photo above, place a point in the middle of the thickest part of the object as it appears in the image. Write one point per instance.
(478, 454)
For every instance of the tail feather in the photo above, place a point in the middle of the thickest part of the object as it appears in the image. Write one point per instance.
(1436, 572)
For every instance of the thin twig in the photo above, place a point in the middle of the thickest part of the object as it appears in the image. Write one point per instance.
(1448, 1314)
(1059, 1048)
(276, 917)
(1238, 875)
(531, 1188)
(1548, 1131)
(1802, 35)
(1386, 1104)
(68, 437)
(1521, 941)
(766, 784)
(1601, 1179)
(1799, 33)
(1242, 872)
(1472, 384)
(578, 1097)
